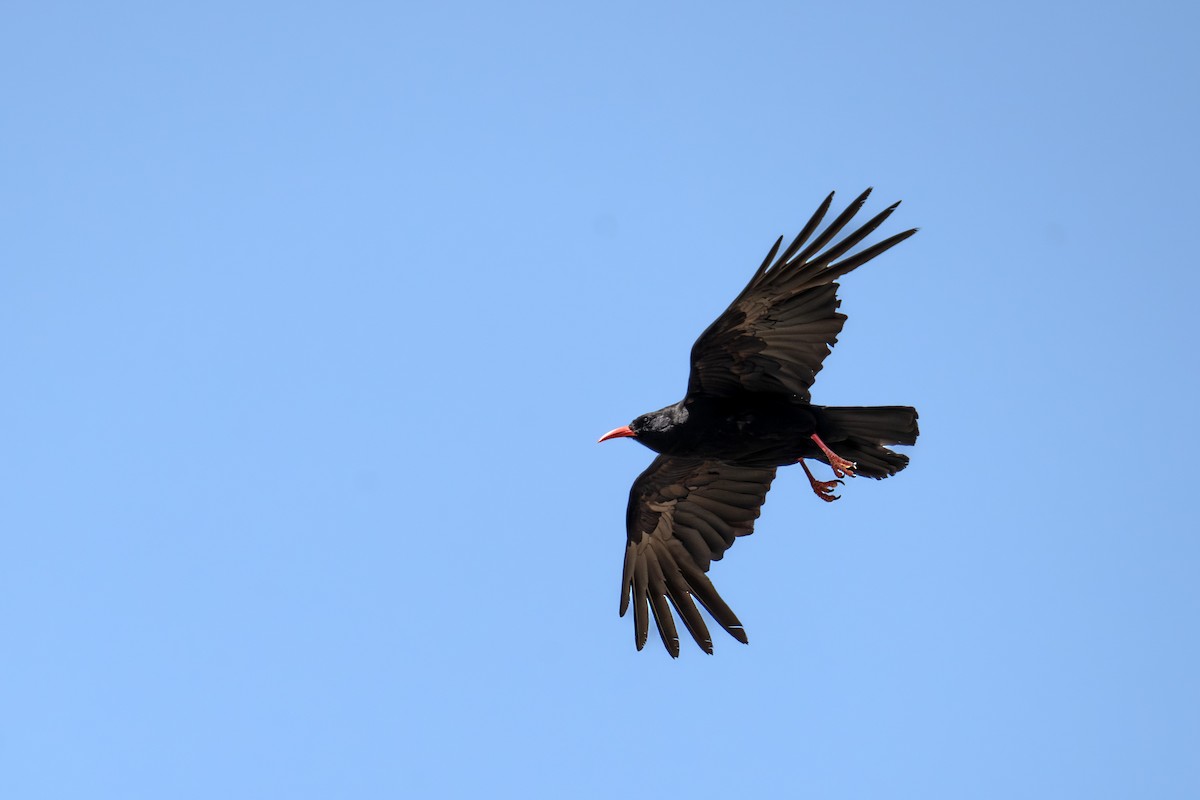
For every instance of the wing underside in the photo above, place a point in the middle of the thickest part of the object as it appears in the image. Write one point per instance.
(683, 514)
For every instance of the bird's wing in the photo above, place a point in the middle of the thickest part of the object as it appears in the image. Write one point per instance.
(684, 513)
(775, 334)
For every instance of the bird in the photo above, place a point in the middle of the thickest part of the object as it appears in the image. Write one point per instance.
(748, 411)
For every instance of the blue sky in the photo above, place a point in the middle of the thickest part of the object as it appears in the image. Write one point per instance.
(312, 314)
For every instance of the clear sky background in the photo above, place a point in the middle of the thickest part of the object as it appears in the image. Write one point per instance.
(311, 314)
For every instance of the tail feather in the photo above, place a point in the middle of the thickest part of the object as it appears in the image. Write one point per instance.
(859, 433)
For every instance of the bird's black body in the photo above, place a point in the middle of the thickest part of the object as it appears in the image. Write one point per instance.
(772, 430)
(765, 430)
(748, 411)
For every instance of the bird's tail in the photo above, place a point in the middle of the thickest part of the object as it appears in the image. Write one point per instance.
(859, 433)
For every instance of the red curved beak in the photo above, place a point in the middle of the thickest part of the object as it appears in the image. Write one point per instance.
(616, 433)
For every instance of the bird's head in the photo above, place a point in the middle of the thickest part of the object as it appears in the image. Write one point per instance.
(653, 429)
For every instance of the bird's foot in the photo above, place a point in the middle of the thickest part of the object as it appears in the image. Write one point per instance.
(822, 489)
(841, 467)
(825, 489)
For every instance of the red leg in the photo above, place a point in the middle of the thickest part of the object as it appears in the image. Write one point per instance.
(823, 489)
(841, 467)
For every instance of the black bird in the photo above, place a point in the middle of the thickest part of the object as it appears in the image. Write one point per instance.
(747, 411)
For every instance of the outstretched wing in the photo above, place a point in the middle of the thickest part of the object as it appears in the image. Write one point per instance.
(683, 514)
(775, 334)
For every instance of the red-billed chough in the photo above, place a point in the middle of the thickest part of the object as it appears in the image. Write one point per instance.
(747, 411)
